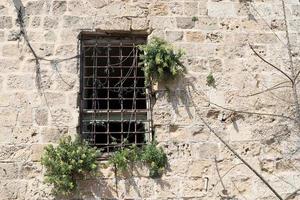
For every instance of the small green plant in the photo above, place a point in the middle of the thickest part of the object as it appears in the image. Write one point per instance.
(68, 161)
(160, 62)
(194, 19)
(154, 157)
(121, 158)
(210, 80)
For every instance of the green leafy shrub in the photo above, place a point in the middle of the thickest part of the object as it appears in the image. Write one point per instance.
(155, 158)
(121, 158)
(161, 62)
(70, 160)
(210, 80)
(194, 18)
(150, 155)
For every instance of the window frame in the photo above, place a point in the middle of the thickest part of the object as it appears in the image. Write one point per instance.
(148, 90)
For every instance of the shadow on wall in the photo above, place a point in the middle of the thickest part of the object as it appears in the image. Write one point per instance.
(177, 93)
(92, 189)
(131, 184)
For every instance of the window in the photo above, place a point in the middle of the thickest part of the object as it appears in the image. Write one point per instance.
(114, 102)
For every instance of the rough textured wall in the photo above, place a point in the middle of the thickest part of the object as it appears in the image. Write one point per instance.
(216, 41)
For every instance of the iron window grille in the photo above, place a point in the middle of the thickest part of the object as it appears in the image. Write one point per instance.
(114, 101)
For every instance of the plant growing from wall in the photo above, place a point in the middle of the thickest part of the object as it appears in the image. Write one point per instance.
(210, 80)
(151, 155)
(70, 160)
(194, 18)
(160, 61)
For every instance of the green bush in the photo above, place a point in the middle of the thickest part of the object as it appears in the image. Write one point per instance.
(150, 155)
(210, 80)
(155, 158)
(70, 160)
(161, 62)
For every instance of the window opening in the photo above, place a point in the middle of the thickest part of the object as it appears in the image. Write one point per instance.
(115, 103)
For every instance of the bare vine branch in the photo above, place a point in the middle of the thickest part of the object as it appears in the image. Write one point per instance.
(241, 159)
(274, 87)
(272, 65)
(293, 70)
(292, 195)
(220, 178)
(252, 113)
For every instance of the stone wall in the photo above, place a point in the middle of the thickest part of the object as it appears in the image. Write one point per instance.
(215, 35)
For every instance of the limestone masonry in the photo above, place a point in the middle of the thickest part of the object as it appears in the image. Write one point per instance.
(216, 36)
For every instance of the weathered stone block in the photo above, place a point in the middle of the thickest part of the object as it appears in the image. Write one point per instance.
(66, 51)
(221, 9)
(100, 187)
(194, 36)
(162, 116)
(51, 22)
(5, 22)
(8, 117)
(4, 8)
(25, 134)
(37, 152)
(55, 99)
(35, 36)
(113, 23)
(215, 64)
(14, 152)
(42, 49)
(67, 82)
(61, 117)
(50, 36)
(140, 24)
(12, 189)
(2, 35)
(173, 36)
(77, 7)
(167, 188)
(25, 116)
(191, 8)
(9, 171)
(159, 9)
(52, 135)
(193, 187)
(206, 23)
(136, 10)
(25, 82)
(69, 36)
(35, 22)
(4, 100)
(204, 151)
(29, 170)
(143, 188)
(185, 22)
(176, 8)
(296, 10)
(34, 7)
(99, 4)
(158, 23)
(59, 7)
(263, 38)
(5, 135)
(215, 37)
(294, 24)
(183, 115)
(199, 168)
(10, 50)
(177, 167)
(41, 116)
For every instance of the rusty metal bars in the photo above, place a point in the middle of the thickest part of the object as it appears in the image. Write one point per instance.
(115, 104)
